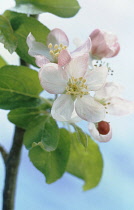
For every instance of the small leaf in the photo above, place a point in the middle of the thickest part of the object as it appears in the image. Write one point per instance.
(43, 129)
(62, 8)
(19, 87)
(22, 117)
(81, 136)
(22, 26)
(52, 164)
(85, 164)
(2, 62)
(7, 36)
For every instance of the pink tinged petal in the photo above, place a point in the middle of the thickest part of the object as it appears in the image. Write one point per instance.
(84, 48)
(57, 36)
(110, 89)
(117, 49)
(88, 109)
(104, 44)
(119, 106)
(112, 44)
(41, 60)
(78, 66)
(36, 48)
(52, 78)
(95, 134)
(64, 58)
(96, 78)
(62, 108)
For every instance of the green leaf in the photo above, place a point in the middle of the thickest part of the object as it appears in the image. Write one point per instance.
(19, 87)
(7, 36)
(86, 164)
(52, 164)
(43, 129)
(81, 136)
(22, 26)
(62, 8)
(22, 117)
(2, 62)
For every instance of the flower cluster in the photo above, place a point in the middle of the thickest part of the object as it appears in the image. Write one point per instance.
(84, 92)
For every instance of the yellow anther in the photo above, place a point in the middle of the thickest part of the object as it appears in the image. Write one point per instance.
(55, 51)
(57, 54)
(61, 45)
(51, 52)
(56, 46)
(64, 47)
(84, 80)
(50, 45)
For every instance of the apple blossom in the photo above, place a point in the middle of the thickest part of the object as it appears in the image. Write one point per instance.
(74, 82)
(104, 44)
(56, 49)
(109, 96)
(101, 131)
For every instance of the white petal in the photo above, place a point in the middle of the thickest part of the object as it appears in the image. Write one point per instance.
(57, 36)
(78, 66)
(41, 60)
(88, 109)
(119, 106)
(95, 134)
(84, 48)
(36, 48)
(62, 108)
(64, 58)
(96, 78)
(52, 78)
(110, 89)
(74, 118)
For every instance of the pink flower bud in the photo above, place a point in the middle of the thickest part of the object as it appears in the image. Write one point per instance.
(104, 44)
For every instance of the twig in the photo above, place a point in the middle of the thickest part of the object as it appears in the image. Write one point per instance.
(12, 163)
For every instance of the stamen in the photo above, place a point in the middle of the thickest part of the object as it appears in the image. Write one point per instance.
(76, 87)
(50, 45)
(55, 46)
(55, 50)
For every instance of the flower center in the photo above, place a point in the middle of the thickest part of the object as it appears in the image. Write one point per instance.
(77, 87)
(56, 49)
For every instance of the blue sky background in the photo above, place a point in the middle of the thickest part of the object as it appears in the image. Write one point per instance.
(116, 189)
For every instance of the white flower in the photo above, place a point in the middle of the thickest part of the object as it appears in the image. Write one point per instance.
(109, 96)
(104, 134)
(74, 82)
(56, 49)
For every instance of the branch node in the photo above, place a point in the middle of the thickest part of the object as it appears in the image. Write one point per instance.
(3, 153)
